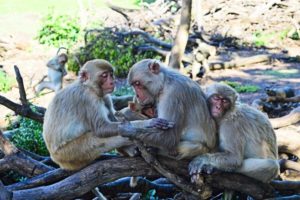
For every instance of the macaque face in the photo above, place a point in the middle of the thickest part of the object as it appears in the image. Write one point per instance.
(218, 105)
(142, 94)
(107, 82)
(62, 59)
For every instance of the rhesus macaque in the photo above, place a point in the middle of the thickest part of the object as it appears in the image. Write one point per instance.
(135, 111)
(177, 99)
(56, 72)
(78, 126)
(247, 142)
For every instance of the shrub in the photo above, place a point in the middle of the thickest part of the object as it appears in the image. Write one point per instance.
(6, 82)
(29, 136)
(57, 31)
(121, 51)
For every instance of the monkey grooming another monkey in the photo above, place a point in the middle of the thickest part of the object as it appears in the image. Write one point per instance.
(56, 72)
(78, 125)
(177, 99)
(247, 142)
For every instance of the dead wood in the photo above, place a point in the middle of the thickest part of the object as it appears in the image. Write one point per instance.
(292, 118)
(24, 109)
(182, 35)
(18, 161)
(238, 62)
(289, 165)
(295, 99)
(288, 141)
(87, 179)
(174, 178)
(291, 187)
(4, 194)
(143, 186)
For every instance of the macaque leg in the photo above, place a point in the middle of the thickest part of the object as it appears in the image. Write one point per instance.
(189, 149)
(45, 84)
(261, 169)
(91, 147)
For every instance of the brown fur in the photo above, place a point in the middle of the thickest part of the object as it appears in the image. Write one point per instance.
(247, 142)
(180, 100)
(77, 125)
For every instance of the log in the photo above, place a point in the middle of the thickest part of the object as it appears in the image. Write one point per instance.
(288, 141)
(238, 62)
(143, 186)
(292, 118)
(88, 178)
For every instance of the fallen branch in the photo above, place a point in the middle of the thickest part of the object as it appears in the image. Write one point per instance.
(238, 62)
(289, 165)
(288, 141)
(88, 178)
(18, 161)
(292, 118)
(143, 186)
(174, 178)
(295, 99)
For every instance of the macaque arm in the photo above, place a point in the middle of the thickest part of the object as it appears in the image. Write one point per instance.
(188, 149)
(167, 139)
(53, 64)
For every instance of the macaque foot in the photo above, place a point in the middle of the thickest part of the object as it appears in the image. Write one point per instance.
(200, 166)
(160, 124)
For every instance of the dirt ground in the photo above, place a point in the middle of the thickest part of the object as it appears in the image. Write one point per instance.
(25, 52)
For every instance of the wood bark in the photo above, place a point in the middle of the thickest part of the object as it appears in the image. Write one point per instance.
(181, 35)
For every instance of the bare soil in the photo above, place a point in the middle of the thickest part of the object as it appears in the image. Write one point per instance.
(17, 47)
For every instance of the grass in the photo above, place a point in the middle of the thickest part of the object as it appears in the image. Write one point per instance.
(283, 73)
(242, 88)
(24, 16)
(60, 6)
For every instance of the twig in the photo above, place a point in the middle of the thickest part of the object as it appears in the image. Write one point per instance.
(178, 181)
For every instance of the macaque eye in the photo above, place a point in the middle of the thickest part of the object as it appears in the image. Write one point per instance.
(216, 98)
(104, 75)
(136, 83)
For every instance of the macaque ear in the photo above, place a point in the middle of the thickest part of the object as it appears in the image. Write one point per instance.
(83, 76)
(154, 67)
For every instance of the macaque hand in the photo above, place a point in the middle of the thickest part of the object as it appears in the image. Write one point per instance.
(127, 130)
(161, 124)
(199, 166)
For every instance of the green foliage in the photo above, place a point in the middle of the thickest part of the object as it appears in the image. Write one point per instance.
(138, 2)
(6, 82)
(151, 195)
(29, 136)
(60, 30)
(107, 44)
(262, 39)
(242, 88)
(283, 73)
(124, 90)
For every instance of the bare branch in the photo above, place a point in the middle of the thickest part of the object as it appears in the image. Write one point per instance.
(22, 92)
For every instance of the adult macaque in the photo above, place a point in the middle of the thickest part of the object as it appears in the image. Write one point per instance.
(177, 99)
(56, 72)
(78, 126)
(247, 143)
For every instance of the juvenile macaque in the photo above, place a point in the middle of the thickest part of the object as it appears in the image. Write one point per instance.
(177, 99)
(78, 125)
(56, 72)
(247, 142)
(135, 111)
